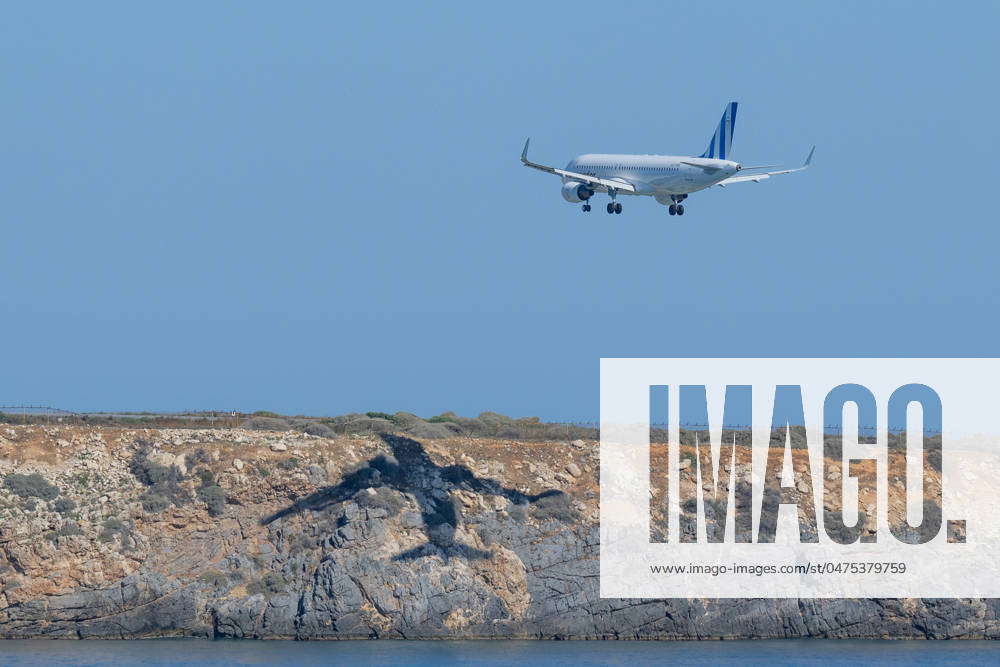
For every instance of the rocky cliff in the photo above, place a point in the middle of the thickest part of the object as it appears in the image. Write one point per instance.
(114, 533)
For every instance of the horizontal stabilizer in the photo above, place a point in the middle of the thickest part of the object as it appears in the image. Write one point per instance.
(757, 178)
(707, 168)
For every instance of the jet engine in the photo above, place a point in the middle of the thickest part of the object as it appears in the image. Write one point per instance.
(575, 193)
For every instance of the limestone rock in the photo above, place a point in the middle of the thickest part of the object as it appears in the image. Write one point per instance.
(347, 540)
(317, 474)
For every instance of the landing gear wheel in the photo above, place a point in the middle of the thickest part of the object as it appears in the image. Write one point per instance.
(611, 207)
(673, 209)
(618, 208)
(586, 208)
(680, 209)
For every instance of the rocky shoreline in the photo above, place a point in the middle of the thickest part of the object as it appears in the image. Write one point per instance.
(126, 533)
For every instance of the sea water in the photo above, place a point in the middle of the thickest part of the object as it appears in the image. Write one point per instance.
(500, 652)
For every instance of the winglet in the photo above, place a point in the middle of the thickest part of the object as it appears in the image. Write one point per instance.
(807, 162)
(524, 153)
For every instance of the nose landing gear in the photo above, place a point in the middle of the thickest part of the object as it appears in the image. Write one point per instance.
(586, 208)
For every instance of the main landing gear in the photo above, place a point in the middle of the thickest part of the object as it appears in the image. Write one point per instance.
(613, 206)
(677, 208)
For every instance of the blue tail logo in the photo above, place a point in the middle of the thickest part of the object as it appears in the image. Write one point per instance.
(722, 141)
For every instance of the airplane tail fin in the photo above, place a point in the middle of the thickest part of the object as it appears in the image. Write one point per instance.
(722, 141)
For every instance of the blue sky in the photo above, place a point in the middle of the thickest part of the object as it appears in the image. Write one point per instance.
(318, 209)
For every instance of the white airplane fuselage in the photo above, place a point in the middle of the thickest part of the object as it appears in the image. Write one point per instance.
(654, 175)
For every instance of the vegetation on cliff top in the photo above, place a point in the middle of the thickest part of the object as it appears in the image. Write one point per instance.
(446, 425)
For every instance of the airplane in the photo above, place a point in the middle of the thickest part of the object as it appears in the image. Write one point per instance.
(667, 178)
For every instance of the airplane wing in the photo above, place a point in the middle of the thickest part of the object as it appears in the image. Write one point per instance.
(757, 178)
(620, 185)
